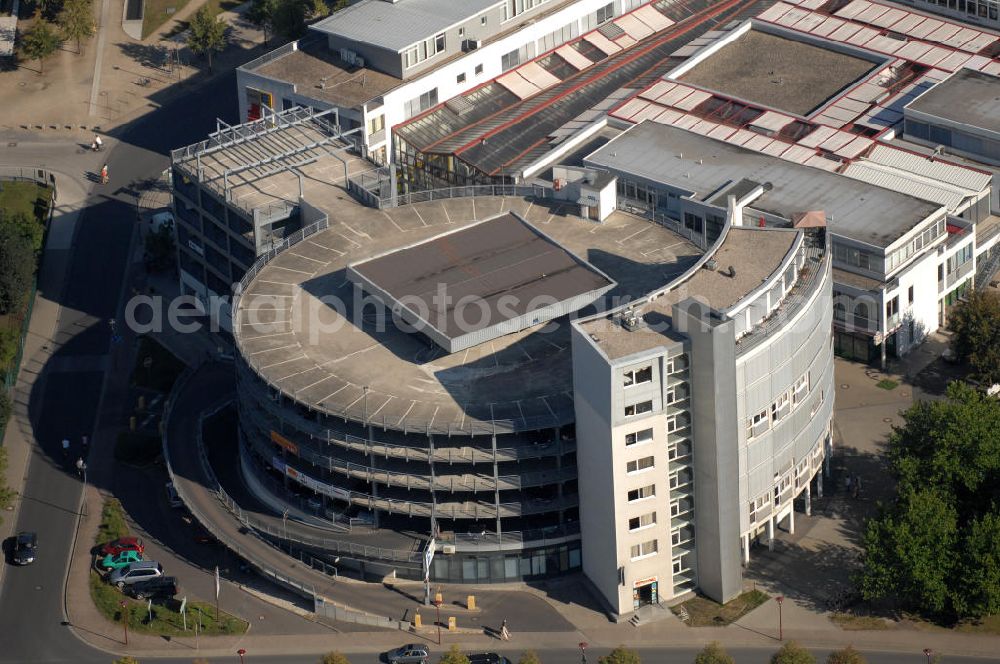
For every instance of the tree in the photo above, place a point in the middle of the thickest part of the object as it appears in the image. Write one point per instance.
(714, 653)
(160, 251)
(792, 653)
(207, 34)
(976, 324)
(529, 657)
(334, 658)
(261, 15)
(40, 41)
(453, 656)
(17, 266)
(28, 226)
(932, 548)
(846, 656)
(289, 17)
(76, 20)
(620, 655)
(126, 660)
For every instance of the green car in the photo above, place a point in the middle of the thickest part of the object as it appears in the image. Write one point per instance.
(119, 560)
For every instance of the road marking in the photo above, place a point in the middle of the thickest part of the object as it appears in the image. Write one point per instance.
(271, 350)
(392, 221)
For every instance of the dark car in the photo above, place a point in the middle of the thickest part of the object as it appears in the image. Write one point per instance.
(158, 587)
(25, 545)
(487, 658)
(411, 653)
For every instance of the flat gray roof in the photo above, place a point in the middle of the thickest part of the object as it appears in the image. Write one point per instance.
(753, 253)
(396, 25)
(780, 72)
(480, 276)
(692, 162)
(967, 96)
(291, 333)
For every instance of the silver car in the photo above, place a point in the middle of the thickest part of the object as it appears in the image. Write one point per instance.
(411, 653)
(135, 572)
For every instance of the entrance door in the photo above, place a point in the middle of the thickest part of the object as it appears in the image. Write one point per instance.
(644, 594)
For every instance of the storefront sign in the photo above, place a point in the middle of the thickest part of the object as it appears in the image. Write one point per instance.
(309, 482)
(278, 439)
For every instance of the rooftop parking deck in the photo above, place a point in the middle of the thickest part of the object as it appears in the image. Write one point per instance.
(335, 355)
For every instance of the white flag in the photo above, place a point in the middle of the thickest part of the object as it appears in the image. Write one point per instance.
(217, 584)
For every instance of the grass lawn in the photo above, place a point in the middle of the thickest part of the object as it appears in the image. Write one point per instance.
(166, 617)
(853, 623)
(163, 370)
(985, 625)
(703, 612)
(113, 523)
(158, 12)
(887, 384)
(137, 448)
(27, 197)
(215, 6)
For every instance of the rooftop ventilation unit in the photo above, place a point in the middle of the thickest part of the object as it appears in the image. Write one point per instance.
(631, 320)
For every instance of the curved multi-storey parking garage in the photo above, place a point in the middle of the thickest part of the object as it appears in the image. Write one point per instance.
(476, 446)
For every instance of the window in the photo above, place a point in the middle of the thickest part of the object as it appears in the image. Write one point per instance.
(510, 60)
(461, 32)
(605, 13)
(420, 104)
(800, 389)
(645, 549)
(780, 407)
(819, 402)
(482, 21)
(642, 493)
(758, 424)
(439, 43)
(637, 376)
(911, 294)
(419, 52)
(639, 408)
(644, 521)
(692, 222)
(638, 437)
(376, 123)
(460, 78)
(636, 465)
(479, 68)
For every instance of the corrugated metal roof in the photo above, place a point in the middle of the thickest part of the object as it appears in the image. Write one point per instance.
(959, 176)
(397, 25)
(898, 181)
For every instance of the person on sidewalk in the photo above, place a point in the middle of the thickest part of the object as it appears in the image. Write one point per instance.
(104, 174)
(504, 632)
(98, 144)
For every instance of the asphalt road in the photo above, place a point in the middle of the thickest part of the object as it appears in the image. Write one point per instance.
(65, 404)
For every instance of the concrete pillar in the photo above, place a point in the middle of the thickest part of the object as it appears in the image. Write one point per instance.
(746, 550)
(770, 533)
(809, 499)
(791, 519)
(819, 484)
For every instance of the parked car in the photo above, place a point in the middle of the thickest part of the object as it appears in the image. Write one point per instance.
(115, 547)
(25, 545)
(487, 658)
(134, 572)
(120, 559)
(172, 497)
(157, 587)
(411, 653)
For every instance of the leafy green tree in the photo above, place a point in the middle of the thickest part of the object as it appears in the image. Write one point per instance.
(41, 41)
(10, 341)
(847, 655)
(932, 549)
(620, 655)
(76, 20)
(792, 653)
(976, 323)
(160, 250)
(28, 226)
(529, 657)
(17, 267)
(334, 658)
(714, 653)
(261, 15)
(206, 34)
(454, 656)
(289, 17)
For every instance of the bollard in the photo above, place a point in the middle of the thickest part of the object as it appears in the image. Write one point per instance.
(438, 598)
(470, 603)
(452, 624)
(417, 622)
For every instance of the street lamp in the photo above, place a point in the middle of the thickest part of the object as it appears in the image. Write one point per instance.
(241, 652)
(437, 606)
(124, 618)
(779, 599)
(583, 652)
(927, 653)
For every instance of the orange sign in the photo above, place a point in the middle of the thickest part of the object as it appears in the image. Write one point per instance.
(278, 439)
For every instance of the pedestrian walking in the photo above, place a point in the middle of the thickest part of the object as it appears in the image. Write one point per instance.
(504, 632)
(79, 466)
(104, 174)
(98, 144)
(857, 486)
(847, 482)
